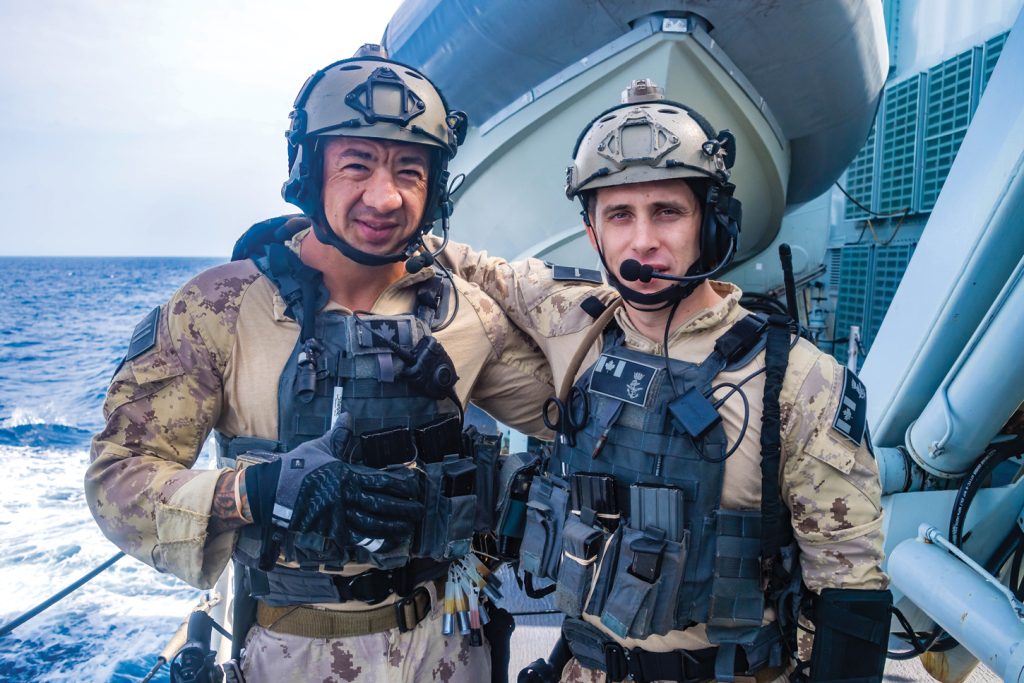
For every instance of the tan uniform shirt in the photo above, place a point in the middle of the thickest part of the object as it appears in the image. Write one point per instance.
(829, 484)
(222, 342)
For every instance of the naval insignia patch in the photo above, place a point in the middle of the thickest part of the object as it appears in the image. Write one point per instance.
(625, 380)
(851, 416)
(571, 274)
(144, 336)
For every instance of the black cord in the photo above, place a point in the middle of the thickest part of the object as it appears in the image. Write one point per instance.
(969, 488)
(445, 273)
(1015, 566)
(755, 373)
(757, 301)
(746, 418)
(866, 209)
(917, 647)
(664, 349)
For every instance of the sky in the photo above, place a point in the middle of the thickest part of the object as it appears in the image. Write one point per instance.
(155, 127)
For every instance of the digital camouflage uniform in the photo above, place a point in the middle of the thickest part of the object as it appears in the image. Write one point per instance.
(221, 344)
(829, 484)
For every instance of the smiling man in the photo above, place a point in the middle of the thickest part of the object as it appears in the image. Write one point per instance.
(713, 472)
(333, 364)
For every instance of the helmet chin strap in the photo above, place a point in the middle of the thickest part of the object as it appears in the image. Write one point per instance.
(328, 236)
(660, 300)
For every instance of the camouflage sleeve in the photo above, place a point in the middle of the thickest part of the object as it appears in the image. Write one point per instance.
(830, 479)
(159, 409)
(516, 379)
(525, 290)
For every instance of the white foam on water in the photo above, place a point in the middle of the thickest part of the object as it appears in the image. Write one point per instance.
(126, 614)
(48, 413)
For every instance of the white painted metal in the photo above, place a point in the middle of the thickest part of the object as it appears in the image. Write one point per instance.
(990, 518)
(963, 601)
(513, 198)
(969, 249)
(979, 394)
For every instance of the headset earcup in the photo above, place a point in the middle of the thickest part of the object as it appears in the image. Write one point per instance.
(301, 188)
(708, 237)
(710, 233)
(720, 227)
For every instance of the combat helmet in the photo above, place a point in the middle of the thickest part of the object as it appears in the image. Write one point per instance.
(370, 96)
(647, 138)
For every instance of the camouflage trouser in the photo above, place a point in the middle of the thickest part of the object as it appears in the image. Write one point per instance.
(422, 654)
(574, 672)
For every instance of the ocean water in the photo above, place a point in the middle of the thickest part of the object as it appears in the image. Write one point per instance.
(64, 325)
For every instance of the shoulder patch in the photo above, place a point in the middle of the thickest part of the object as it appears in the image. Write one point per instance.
(144, 336)
(571, 274)
(851, 416)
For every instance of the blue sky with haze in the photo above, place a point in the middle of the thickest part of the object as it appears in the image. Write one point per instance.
(155, 128)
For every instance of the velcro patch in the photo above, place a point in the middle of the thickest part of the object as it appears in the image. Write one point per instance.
(851, 416)
(144, 336)
(571, 274)
(625, 380)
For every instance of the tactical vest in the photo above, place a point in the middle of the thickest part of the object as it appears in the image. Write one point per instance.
(626, 515)
(339, 364)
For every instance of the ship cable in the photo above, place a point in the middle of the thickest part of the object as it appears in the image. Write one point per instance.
(56, 597)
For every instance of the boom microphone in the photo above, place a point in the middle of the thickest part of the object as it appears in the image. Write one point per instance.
(632, 270)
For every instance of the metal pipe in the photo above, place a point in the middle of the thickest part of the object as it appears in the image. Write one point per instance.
(980, 392)
(964, 599)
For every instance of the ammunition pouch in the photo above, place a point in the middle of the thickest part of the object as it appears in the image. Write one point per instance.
(484, 450)
(451, 506)
(583, 547)
(643, 581)
(514, 479)
(546, 512)
(851, 635)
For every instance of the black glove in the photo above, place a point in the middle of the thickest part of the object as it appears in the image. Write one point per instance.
(311, 491)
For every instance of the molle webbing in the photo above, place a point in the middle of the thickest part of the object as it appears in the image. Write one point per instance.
(357, 370)
(638, 431)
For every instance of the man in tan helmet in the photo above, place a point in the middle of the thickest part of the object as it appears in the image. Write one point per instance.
(333, 365)
(711, 468)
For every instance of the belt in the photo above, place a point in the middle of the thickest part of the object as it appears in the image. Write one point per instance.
(375, 585)
(311, 622)
(683, 666)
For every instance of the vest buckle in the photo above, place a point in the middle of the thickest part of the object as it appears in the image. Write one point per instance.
(412, 609)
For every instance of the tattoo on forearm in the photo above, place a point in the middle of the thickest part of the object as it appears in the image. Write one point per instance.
(230, 507)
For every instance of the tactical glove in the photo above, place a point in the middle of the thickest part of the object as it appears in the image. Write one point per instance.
(311, 491)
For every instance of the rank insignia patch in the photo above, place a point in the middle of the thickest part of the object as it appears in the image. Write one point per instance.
(851, 416)
(144, 336)
(625, 380)
(570, 273)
